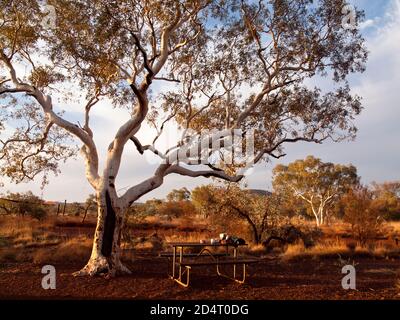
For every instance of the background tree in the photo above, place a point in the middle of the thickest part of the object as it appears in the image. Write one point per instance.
(182, 194)
(363, 213)
(317, 183)
(210, 52)
(259, 211)
(178, 204)
(76, 208)
(139, 211)
(90, 204)
(387, 198)
(177, 209)
(4, 207)
(203, 199)
(25, 203)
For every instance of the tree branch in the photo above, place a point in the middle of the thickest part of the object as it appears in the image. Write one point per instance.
(141, 149)
(204, 173)
(90, 150)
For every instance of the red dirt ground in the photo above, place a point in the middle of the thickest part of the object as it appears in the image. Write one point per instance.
(271, 279)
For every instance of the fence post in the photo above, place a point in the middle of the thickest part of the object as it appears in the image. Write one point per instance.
(86, 211)
(65, 205)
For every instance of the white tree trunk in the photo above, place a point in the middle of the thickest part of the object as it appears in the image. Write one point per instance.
(105, 257)
(316, 215)
(318, 221)
(321, 215)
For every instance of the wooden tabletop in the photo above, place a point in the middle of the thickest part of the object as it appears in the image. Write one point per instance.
(207, 244)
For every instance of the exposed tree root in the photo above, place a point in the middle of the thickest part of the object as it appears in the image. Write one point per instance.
(102, 266)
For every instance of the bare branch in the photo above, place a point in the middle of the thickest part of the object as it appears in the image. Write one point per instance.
(204, 173)
(89, 150)
(141, 149)
(167, 79)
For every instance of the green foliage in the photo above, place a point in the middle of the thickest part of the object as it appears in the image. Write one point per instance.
(387, 199)
(182, 194)
(34, 146)
(23, 204)
(176, 209)
(37, 212)
(90, 204)
(203, 197)
(259, 211)
(138, 211)
(76, 208)
(363, 213)
(318, 184)
(169, 208)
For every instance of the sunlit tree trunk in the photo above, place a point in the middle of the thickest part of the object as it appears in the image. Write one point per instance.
(106, 253)
(322, 215)
(316, 215)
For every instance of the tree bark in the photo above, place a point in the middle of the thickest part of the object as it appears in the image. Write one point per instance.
(256, 236)
(105, 257)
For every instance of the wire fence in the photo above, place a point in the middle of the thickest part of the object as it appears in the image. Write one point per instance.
(60, 205)
(60, 208)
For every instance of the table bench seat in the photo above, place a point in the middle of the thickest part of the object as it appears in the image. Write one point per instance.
(219, 262)
(191, 255)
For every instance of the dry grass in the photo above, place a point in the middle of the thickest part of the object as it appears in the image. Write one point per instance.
(12, 255)
(24, 232)
(188, 237)
(395, 225)
(338, 228)
(24, 239)
(331, 249)
(257, 250)
(146, 246)
(74, 250)
(298, 251)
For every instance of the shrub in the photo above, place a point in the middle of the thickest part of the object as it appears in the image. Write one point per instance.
(289, 234)
(38, 213)
(363, 214)
(24, 204)
(181, 208)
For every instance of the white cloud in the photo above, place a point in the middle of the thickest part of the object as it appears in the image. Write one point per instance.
(368, 23)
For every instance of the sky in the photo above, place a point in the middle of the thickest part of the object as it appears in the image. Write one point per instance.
(375, 152)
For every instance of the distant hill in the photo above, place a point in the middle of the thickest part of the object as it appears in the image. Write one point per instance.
(260, 192)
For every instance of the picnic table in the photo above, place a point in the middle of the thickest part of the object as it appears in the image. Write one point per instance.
(183, 262)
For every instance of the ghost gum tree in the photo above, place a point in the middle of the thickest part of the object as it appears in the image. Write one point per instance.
(317, 183)
(218, 65)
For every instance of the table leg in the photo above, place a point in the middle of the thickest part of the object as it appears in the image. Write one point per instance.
(234, 266)
(173, 262)
(180, 263)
